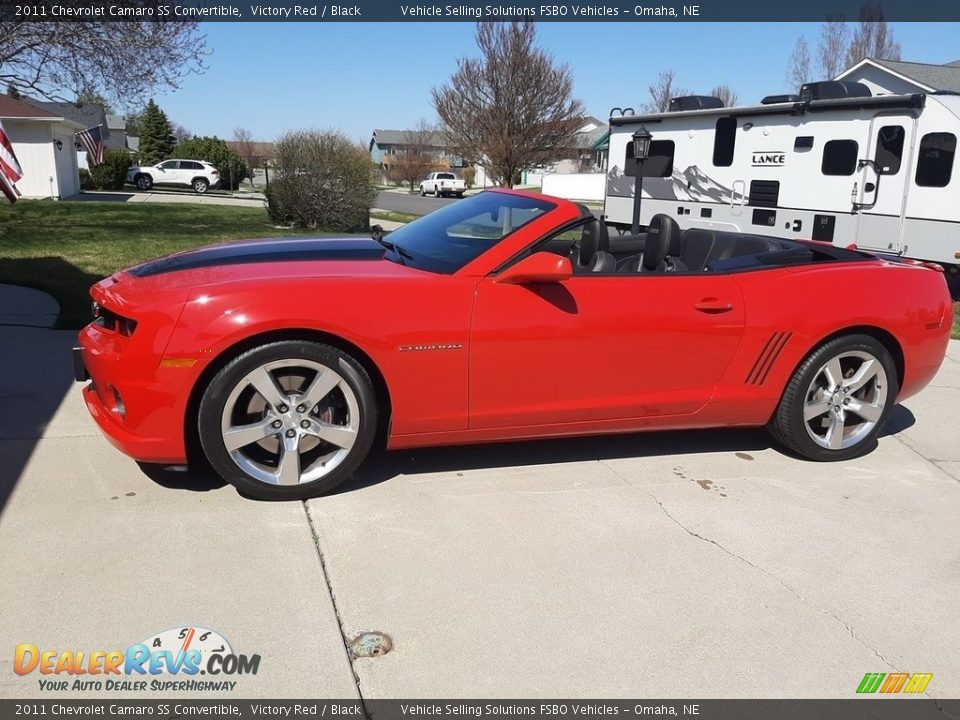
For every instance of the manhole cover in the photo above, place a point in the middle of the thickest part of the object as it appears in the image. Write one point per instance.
(371, 644)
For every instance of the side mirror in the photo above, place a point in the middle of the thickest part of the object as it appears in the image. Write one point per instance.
(541, 267)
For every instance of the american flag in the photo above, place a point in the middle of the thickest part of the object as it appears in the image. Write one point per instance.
(92, 140)
(10, 170)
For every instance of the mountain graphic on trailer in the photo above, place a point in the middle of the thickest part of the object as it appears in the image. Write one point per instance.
(692, 185)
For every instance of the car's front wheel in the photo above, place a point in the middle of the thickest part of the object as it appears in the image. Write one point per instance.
(200, 185)
(143, 182)
(288, 420)
(423, 193)
(838, 399)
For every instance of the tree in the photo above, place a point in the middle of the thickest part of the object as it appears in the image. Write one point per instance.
(727, 94)
(13, 92)
(872, 37)
(156, 135)
(321, 180)
(246, 147)
(216, 152)
(180, 133)
(122, 61)
(798, 71)
(418, 156)
(513, 107)
(662, 92)
(832, 46)
(89, 96)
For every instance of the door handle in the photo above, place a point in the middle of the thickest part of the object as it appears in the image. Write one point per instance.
(713, 306)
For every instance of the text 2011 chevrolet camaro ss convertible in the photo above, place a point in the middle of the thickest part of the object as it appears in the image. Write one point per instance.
(505, 316)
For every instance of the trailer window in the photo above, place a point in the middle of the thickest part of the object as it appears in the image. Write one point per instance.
(889, 149)
(935, 162)
(658, 164)
(840, 157)
(724, 141)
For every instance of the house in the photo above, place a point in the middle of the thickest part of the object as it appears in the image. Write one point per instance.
(588, 154)
(117, 132)
(43, 142)
(388, 146)
(88, 115)
(895, 77)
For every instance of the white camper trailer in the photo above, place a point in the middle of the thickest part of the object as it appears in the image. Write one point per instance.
(832, 164)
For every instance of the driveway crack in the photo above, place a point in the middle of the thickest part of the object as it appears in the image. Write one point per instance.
(849, 628)
(336, 609)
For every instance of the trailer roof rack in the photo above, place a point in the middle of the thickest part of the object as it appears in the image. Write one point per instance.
(784, 108)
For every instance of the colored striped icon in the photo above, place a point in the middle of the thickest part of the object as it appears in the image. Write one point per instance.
(913, 683)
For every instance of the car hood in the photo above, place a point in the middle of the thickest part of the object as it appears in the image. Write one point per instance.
(274, 250)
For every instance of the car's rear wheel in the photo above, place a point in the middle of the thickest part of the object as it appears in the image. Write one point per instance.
(838, 399)
(143, 182)
(436, 190)
(288, 420)
(200, 185)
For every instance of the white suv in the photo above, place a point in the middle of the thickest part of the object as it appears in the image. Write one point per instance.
(196, 174)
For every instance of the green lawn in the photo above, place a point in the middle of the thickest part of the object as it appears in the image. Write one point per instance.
(400, 217)
(64, 247)
(956, 322)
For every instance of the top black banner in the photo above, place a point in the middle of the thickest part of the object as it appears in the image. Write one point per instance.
(441, 11)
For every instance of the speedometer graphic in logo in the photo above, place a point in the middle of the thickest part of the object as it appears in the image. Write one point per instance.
(184, 639)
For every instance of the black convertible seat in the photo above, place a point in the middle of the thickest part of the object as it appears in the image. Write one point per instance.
(701, 247)
(661, 248)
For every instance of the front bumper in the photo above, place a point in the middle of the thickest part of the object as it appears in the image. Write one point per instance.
(138, 405)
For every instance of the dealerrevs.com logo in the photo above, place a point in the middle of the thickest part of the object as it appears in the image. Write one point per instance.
(168, 661)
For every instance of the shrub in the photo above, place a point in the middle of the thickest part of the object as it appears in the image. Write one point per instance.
(469, 176)
(112, 174)
(86, 181)
(215, 151)
(321, 180)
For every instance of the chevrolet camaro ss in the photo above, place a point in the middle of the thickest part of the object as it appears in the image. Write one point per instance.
(505, 316)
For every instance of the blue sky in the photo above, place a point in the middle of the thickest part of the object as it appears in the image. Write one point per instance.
(272, 77)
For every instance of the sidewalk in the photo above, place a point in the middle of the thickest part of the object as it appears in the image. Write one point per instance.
(253, 200)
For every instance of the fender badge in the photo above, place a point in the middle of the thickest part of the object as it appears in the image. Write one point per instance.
(422, 348)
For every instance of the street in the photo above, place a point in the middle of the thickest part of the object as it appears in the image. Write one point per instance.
(689, 564)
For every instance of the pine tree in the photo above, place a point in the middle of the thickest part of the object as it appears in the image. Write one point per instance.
(156, 135)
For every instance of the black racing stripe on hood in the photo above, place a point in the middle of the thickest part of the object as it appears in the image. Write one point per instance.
(263, 251)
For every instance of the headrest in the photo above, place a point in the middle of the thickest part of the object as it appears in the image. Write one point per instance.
(663, 238)
(594, 237)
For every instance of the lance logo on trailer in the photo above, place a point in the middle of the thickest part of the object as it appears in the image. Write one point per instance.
(769, 158)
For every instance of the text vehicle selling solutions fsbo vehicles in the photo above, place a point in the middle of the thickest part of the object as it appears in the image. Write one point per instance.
(504, 316)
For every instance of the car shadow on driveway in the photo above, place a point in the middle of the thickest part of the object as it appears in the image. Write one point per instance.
(383, 465)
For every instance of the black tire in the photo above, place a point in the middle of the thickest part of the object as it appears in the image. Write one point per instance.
(459, 194)
(143, 182)
(200, 185)
(436, 191)
(224, 385)
(423, 193)
(805, 388)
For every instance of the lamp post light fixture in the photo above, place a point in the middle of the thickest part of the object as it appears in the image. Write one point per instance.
(641, 151)
(58, 144)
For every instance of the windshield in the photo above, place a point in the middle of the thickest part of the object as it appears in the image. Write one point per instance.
(447, 239)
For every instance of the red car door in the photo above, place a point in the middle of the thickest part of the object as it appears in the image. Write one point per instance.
(600, 347)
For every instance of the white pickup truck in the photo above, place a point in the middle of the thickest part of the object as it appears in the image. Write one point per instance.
(442, 183)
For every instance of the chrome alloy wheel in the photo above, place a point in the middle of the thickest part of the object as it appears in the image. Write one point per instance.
(290, 422)
(845, 400)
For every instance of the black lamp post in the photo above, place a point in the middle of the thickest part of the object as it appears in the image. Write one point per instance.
(641, 151)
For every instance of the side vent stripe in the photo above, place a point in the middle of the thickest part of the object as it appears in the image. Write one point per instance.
(767, 357)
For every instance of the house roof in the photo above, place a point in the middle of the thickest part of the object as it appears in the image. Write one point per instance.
(401, 137)
(937, 77)
(117, 122)
(263, 150)
(89, 114)
(10, 108)
(133, 143)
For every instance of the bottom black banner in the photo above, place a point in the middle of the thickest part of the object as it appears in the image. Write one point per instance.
(855, 709)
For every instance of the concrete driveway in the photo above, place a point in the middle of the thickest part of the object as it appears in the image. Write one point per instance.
(700, 564)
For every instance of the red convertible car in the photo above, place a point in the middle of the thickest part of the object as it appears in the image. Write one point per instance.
(505, 316)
